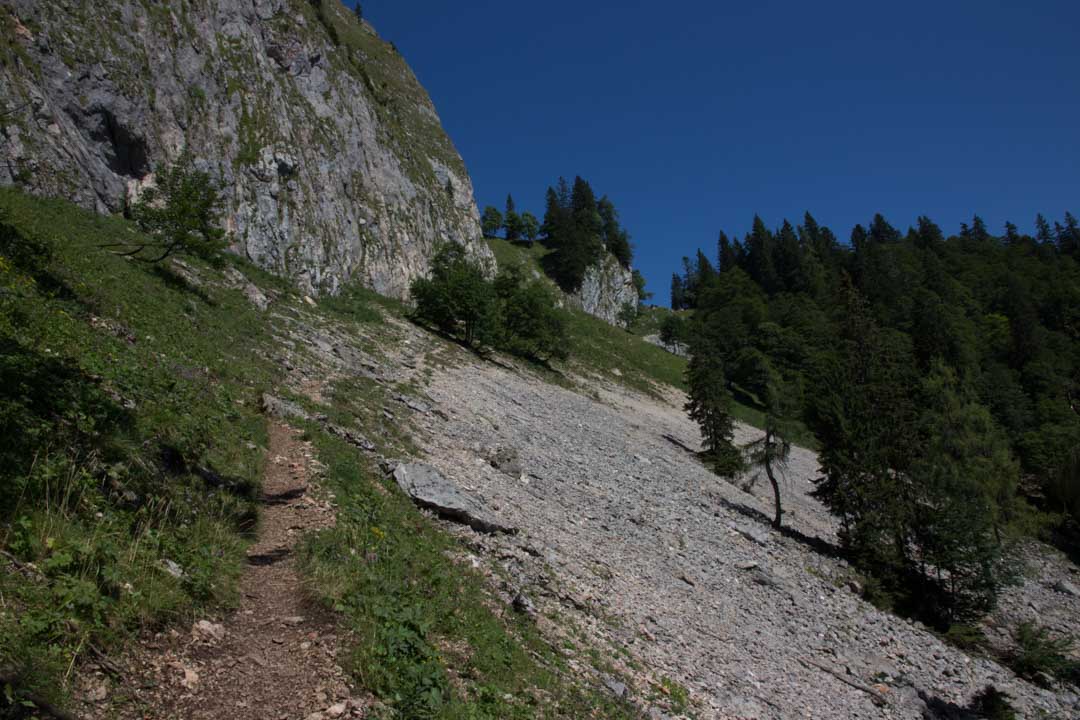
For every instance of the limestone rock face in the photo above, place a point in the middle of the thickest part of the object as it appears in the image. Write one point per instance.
(335, 165)
(607, 287)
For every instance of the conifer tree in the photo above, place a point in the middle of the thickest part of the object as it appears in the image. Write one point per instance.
(616, 239)
(789, 260)
(1042, 230)
(772, 450)
(710, 405)
(928, 235)
(511, 220)
(1012, 234)
(553, 218)
(1069, 236)
(759, 257)
(678, 293)
(726, 255)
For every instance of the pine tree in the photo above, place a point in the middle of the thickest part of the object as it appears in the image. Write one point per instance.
(726, 255)
(965, 484)
(553, 218)
(1012, 234)
(1042, 230)
(616, 239)
(563, 193)
(578, 245)
(1069, 236)
(979, 233)
(790, 265)
(678, 293)
(928, 235)
(511, 220)
(759, 257)
(882, 232)
(710, 405)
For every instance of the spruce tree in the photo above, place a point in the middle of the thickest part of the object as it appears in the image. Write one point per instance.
(929, 235)
(726, 255)
(790, 265)
(678, 293)
(1042, 230)
(759, 257)
(553, 220)
(710, 405)
(1012, 234)
(511, 220)
(1069, 236)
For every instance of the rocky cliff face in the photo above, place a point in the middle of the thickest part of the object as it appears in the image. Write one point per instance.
(607, 287)
(334, 161)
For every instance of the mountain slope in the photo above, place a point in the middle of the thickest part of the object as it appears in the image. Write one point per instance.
(335, 164)
(134, 438)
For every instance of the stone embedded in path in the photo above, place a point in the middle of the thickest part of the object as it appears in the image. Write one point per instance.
(281, 408)
(429, 489)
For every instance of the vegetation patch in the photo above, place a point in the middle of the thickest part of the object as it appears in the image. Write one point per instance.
(431, 639)
(130, 441)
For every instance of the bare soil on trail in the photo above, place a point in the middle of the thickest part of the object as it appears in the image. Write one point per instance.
(274, 658)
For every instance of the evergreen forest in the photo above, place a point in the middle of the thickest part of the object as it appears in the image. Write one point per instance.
(940, 376)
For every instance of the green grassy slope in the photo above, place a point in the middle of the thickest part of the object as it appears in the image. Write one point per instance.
(130, 438)
(598, 348)
(131, 450)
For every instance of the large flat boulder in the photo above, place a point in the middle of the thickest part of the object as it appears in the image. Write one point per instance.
(430, 489)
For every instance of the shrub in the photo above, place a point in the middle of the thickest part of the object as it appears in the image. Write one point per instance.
(180, 214)
(675, 332)
(509, 313)
(966, 637)
(457, 298)
(531, 324)
(628, 314)
(1037, 655)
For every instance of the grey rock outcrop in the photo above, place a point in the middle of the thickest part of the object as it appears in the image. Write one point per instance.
(334, 162)
(607, 287)
(429, 489)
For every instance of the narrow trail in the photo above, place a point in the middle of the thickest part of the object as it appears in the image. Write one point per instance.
(274, 658)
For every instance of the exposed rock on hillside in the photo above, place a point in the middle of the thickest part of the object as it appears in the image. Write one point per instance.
(606, 288)
(334, 160)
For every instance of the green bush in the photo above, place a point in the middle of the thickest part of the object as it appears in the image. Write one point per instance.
(179, 214)
(510, 313)
(966, 637)
(530, 323)
(1037, 655)
(457, 299)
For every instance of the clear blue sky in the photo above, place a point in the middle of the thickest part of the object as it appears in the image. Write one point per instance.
(693, 116)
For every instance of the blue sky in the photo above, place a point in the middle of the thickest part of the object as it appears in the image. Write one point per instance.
(693, 116)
